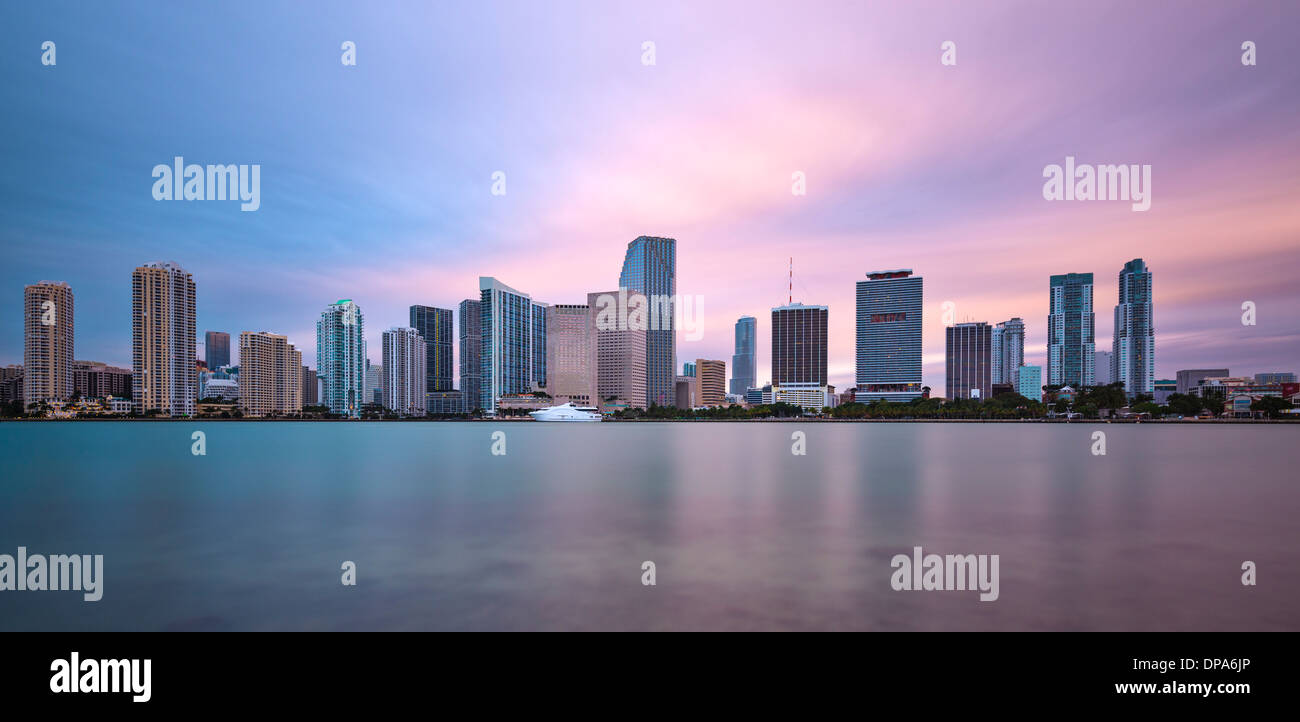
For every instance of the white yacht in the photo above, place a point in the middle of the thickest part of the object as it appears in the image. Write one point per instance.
(566, 412)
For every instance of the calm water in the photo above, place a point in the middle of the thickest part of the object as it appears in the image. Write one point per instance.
(744, 534)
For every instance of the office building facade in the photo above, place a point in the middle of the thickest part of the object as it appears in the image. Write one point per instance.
(889, 336)
(712, 378)
(471, 350)
(968, 367)
(216, 349)
(512, 326)
(744, 368)
(570, 354)
(650, 268)
(435, 326)
(621, 355)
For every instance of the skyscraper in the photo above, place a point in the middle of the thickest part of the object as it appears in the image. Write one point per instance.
(1070, 331)
(270, 375)
(512, 326)
(435, 326)
(620, 354)
(968, 367)
(889, 336)
(1008, 351)
(404, 371)
(164, 377)
(47, 342)
(650, 268)
(799, 355)
(744, 369)
(341, 357)
(570, 353)
(471, 350)
(799, 344)
(216, 349)
(1133, 355)
(712, 381)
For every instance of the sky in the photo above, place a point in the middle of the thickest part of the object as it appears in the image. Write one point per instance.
(376, 179)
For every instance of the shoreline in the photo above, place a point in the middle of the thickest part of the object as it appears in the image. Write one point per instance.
(792, 419)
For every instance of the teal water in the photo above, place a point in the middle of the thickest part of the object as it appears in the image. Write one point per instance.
(744, 535)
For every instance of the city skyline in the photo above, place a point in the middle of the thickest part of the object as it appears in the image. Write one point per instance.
(944, 181)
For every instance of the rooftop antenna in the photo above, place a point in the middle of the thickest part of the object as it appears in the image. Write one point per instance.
(790, 299)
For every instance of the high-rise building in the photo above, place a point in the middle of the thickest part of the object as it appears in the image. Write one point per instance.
(341, 358)
(310, 390)
(688, 369)
(95, 380)
(650, 268)
(47, 342)
(164, 376)
(435, 326)
(744, 368)
(712, 376)
(799, 344)
(471, 350)
(216, 349)
(1008, 350)
(270, 375)
(570, 353)
(1133, 361)
(1029, 382)
(889, 336)
(1070, 331)
(512, 326)
(404, 371)
(1188, 380)
(969, 356)
(620, 355)
(1273, 377)
(1102, 369)
(799, 355)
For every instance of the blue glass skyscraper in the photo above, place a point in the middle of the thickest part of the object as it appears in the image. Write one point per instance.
(650, 268)
(513, 328)
(434, 326)
(889, 336)
(743, 363)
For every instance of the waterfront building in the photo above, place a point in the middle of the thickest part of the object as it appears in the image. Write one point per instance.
(889, 320)
(744, 369)
(341, 358)
(1133, 353)
(164, 378)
